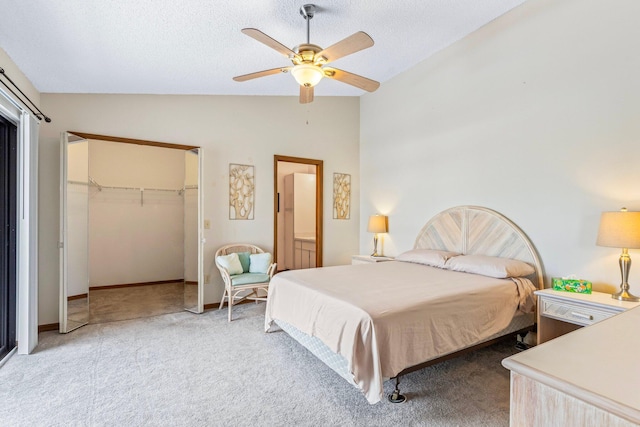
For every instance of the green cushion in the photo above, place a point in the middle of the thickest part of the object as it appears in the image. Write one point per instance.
(248, 278)
(244, 260)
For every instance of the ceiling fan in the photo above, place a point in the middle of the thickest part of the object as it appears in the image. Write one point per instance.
(309, 60)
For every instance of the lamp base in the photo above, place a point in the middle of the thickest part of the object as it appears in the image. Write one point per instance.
(624, 295)
(375, 245)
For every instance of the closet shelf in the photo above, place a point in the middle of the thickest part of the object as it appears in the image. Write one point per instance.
(92, 182)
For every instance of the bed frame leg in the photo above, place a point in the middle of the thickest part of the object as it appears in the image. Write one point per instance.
(520, 341)
(396, 397)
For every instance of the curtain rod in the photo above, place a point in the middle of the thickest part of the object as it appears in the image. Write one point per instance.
(40, 115)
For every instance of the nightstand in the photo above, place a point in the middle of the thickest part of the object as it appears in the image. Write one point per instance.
(366, 259)
(561, 312)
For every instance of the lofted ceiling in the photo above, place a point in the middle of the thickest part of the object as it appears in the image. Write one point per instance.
(196, 47)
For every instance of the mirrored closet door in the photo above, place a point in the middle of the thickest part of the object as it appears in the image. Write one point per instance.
(74, 223)
(193, 240)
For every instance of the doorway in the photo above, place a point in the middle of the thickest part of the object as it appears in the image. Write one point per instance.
(297, 212)
(8, 228)
(130, 220)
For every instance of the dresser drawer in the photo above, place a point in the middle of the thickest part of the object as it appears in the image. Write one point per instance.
(573, 313)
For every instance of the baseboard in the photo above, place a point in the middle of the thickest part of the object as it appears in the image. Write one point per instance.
(48, 327)
(130, 285)
(211, 305)
(189, 282)
(72, 297)
(217, 304)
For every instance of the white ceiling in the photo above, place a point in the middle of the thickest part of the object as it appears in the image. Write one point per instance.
(196, 47)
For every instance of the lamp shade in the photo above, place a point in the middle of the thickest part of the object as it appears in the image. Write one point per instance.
(307, 75)
(619, 230)
(377, 224)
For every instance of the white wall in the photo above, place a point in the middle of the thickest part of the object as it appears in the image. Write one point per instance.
(134, 237)
(18, 78)
(244, 130)
(534, 115)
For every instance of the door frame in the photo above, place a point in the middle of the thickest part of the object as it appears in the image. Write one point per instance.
(109, 138)
(27, 240)
(319, 197)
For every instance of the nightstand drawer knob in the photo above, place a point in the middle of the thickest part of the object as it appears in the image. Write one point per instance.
(582, 315)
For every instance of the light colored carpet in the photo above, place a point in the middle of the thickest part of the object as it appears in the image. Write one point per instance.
(184, 369)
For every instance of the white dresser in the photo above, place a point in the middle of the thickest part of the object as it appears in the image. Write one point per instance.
(589, 377)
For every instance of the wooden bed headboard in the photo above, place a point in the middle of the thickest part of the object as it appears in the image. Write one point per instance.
(476, 230)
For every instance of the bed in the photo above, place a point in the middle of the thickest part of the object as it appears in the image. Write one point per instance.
(372, 322)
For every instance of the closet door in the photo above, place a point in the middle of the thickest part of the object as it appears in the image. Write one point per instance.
(193, 233)
(74, 222)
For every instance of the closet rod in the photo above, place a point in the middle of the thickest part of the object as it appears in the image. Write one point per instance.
(108, 187)
(100, 187)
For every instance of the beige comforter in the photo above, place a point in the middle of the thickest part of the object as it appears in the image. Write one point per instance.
(385, 317)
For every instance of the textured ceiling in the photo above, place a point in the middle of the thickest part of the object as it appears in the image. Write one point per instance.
(196, 47)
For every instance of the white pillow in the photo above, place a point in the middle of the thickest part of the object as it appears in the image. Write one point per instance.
(432, 257)
(491, 266)
(231, 262)
(259, 263)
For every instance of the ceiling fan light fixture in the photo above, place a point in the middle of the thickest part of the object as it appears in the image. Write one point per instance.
(309, 60)
(307, 75)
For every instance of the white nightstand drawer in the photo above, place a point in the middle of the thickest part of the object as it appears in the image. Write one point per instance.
(562, 312)
(573, 313)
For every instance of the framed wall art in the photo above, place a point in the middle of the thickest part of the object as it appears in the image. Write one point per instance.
(241, 191)
(341, 196)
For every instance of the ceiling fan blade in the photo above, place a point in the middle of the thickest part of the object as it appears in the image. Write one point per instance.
(344, 47)
(264, 73)
(351, 79)
(272, 43)
(306, 94)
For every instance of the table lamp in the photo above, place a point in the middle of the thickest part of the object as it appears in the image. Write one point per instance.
(377, 224)
(621, 230)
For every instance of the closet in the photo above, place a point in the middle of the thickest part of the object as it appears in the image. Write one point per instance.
(132, 231)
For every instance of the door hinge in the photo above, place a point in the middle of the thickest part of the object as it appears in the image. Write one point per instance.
(60, 245)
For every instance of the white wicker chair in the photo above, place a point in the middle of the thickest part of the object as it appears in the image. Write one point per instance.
(243, 282)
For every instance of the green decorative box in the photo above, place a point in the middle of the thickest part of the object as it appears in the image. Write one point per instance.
(578, 286)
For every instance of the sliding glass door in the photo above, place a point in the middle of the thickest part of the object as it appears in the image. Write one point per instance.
(8, 226)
